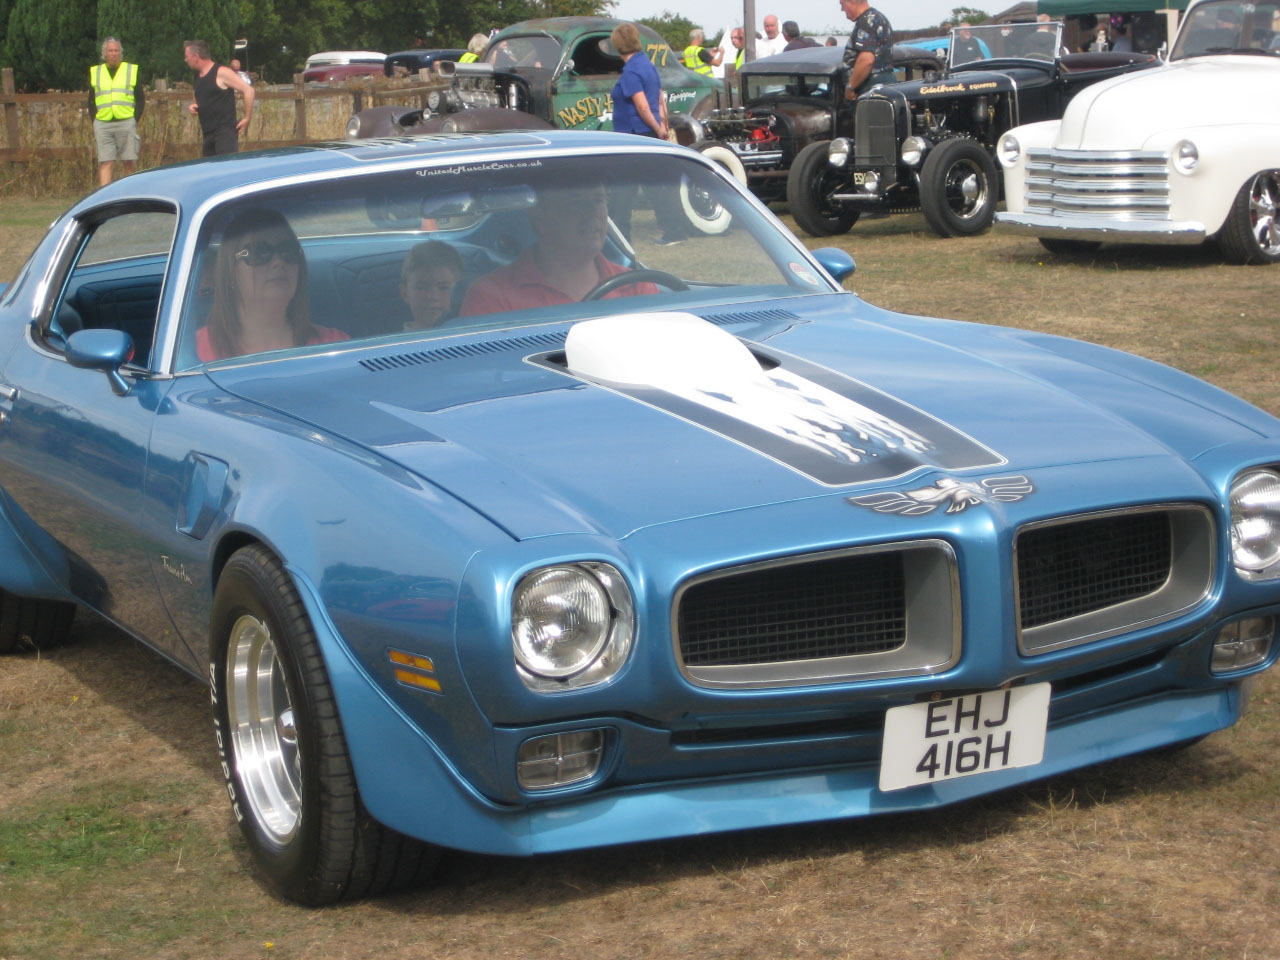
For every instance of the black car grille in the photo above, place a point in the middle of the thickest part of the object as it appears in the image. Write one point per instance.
(833, 607)
(1069, 569)
(875, 139)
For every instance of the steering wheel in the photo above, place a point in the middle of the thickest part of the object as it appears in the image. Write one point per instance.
(610, 284)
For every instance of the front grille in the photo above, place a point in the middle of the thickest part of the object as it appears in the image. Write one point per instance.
(875, 138)
(1130, 185)
(878, 611)
(1085, 578)
(1068, 570)
(844, 606)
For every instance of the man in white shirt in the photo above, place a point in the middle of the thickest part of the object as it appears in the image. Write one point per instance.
(774, 41)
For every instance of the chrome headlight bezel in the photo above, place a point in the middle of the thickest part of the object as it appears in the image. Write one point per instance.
(1185, 157)
(913, 150)
(1255, 523)
(1008, 150)
(838, 151)
(353, 127)
(603, 647)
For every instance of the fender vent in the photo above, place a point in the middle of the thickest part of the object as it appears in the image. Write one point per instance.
(461, 351)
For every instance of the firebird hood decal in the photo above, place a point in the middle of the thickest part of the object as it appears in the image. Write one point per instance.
(823, 424)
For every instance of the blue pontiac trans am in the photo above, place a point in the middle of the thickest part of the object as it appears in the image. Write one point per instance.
(493, 524)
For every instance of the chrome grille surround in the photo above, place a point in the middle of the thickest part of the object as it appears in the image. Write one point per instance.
(1114, 185)
(1187, 579)
(750, 655)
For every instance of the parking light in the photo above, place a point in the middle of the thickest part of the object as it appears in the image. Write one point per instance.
(1243, 643)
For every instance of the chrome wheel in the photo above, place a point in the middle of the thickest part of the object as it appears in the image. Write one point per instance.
(966, 190)
(263, 732)
(1264, 198)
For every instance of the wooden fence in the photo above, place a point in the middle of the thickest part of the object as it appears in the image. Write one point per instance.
(57, 128)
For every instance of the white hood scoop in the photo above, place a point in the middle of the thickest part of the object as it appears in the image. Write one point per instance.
(697, 370)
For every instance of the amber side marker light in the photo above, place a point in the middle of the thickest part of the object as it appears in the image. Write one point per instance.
(414, 671)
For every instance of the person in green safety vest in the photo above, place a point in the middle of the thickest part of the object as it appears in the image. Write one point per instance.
(115, 103)
(697, 57)
(739, 40)
(475, 48)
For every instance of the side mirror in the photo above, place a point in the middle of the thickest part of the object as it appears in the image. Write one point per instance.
(105, 350)
(836, 262)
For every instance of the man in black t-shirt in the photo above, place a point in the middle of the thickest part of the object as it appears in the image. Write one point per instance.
(869, 52)
(967, 49)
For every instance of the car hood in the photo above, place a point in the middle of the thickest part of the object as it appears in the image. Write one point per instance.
(1126, 111)
(655, 423)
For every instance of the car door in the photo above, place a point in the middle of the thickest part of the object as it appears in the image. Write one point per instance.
(73, 450)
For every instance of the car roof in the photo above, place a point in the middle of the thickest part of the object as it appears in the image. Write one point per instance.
(822, 60)
(191, 183)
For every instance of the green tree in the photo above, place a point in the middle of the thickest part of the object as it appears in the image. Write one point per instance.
(964, 15)
(51, 44)
(672, 27)
(153, 33)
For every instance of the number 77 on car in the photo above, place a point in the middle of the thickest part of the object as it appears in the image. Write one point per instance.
(976, 733)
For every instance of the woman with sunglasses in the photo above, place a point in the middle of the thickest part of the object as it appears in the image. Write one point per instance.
(259, 291)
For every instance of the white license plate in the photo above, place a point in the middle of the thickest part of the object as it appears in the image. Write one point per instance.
(859, 178)
(977, 733)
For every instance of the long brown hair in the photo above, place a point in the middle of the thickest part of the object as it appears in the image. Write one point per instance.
(224, 317)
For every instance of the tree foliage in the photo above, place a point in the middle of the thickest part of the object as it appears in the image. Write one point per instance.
(961, 15)
(153, 34)
(672, 27)
(50, 44)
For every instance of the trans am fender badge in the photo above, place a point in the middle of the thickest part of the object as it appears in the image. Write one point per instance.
(958, 495)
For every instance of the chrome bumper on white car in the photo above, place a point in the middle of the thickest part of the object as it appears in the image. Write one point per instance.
(1102, 229)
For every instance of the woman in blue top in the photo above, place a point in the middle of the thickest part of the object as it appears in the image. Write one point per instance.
(640, 108)
(638, 105)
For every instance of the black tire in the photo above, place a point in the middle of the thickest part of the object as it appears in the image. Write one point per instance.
(300, 812)
(26, 622)
(1251, 234)
(810, 183)
(1065, 246)
(958, 188)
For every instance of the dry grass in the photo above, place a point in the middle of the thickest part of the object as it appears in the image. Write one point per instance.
(115, 839)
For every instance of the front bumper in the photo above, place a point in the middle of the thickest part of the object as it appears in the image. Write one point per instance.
(1102, 229)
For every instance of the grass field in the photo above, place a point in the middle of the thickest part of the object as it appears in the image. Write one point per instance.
(116, 838)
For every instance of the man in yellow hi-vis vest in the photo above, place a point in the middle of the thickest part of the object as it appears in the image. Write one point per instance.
(115, 103)
(475, 48)
(697, 57)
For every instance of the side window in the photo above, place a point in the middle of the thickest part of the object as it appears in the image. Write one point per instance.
(115, 281)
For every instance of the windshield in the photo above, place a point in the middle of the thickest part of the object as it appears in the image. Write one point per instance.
(433, 252)
(787, 85)
(1229, 26)
(524, 52)
(1004, 41)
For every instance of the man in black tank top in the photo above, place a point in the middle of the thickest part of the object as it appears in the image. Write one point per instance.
(215, 104)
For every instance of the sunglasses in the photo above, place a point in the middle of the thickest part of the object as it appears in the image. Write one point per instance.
(257, 253)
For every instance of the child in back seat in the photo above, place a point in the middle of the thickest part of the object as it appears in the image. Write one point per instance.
(431, 271)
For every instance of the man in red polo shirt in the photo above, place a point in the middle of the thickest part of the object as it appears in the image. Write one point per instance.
(564, 264)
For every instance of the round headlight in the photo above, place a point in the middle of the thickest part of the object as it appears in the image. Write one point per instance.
(1008, 149)
(1255, 524)
(449, 125)
(353, 127)
(433, 100)
(560, 621)
(1185, 157)
(913, 149)
(838, 152)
